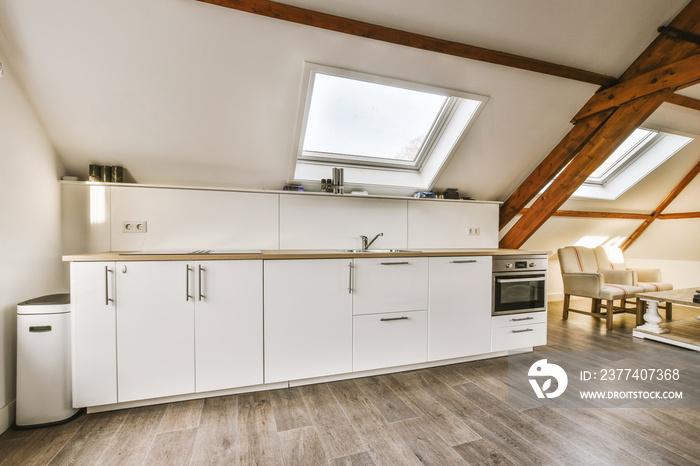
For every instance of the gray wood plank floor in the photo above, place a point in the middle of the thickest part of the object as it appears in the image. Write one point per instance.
(449, 415)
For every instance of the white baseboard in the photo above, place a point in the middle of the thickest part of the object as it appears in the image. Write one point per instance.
(7, 416)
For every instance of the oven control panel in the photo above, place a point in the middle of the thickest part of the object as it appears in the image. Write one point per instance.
(520, 263)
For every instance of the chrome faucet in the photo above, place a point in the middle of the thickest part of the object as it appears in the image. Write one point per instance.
(366, 244)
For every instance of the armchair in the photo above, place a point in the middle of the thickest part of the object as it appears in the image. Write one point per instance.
(581, 277)
(612, 259)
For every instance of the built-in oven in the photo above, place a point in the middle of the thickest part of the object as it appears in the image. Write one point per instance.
(519, 284)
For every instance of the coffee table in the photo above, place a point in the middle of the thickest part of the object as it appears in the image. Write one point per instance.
(684, 333)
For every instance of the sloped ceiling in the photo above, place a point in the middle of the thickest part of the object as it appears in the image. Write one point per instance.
(182, 92)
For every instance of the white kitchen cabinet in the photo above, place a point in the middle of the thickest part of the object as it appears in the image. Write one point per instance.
(390, 284)
(390, 340)
(228, 324)
(518, 331)
(308, 318)
(155, 329)
(94, 351)
(460, 307)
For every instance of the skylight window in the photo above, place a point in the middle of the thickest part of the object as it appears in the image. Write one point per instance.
(640, 154)
(359, 122)
(627, 152)
(384, 132)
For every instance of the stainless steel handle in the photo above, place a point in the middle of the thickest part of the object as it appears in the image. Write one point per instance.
(522, 318)
(470, 261)
(388, 319)
(107, 298)
(524, 330)
(514, 280)
(201, 296)
(187, 284)
(350, 283)
(394, 263)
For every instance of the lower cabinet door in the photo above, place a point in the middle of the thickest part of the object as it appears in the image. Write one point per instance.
(228, 324)
(390, 340)
(155, 329)
(308, 318)
(460, 306)
(94, 334)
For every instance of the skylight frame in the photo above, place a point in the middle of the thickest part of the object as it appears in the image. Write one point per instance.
(664, 144)
(629, 157)
(460, 116)
(349, 160)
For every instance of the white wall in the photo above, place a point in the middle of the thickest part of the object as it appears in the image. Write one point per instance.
(184, 219)
(30, 232)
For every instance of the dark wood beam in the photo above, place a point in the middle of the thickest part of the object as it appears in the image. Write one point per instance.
(551, 166)
(684, 101)
(665, 203)
(395, 36)
(664, 50)
(591, 214)
(618, 127)
(680, 215)
(673, 76)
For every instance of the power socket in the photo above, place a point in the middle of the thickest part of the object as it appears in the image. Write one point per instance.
(473, 231)
(134, 226)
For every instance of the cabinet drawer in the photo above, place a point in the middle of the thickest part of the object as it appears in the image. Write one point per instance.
(390, 285)
(510, 320)
(521, 336)
(389, 340)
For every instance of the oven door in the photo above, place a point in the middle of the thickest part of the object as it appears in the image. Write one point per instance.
(519, 292)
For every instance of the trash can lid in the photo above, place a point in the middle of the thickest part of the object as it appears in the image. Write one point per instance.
(53, 303)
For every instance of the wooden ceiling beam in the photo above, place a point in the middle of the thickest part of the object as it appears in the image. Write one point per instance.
(395, 36)
(664, 50)
(680, 215)
(555, 162)
(684, 101)
(594, 214)
(673, 76)
(665, 203)
(618, 127)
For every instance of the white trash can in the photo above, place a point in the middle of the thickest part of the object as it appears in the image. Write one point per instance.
(44, 361)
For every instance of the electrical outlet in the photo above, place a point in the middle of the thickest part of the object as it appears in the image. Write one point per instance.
(473, 231)
(134, 226)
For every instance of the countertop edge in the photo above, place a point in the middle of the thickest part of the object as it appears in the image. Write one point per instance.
(124, 256)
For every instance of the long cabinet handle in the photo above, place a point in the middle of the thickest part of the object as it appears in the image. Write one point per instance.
(388, 319)
(350, 281)
(521, 318)
(524, 330)
(201, 269)
(516, 280)
(394, 263)
(187, 284)
(470, 261)
(107, 298)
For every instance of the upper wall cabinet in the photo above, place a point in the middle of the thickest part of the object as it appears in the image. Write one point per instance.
(188, 219)
(448, 225)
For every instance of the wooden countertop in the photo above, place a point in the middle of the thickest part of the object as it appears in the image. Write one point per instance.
(290, 254)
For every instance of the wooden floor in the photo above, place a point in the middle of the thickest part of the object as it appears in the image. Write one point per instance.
(446, 416)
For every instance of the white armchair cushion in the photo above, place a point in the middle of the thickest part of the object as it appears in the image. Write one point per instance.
(614, 291)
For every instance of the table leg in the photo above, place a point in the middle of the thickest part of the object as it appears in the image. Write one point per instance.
(652, 318)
